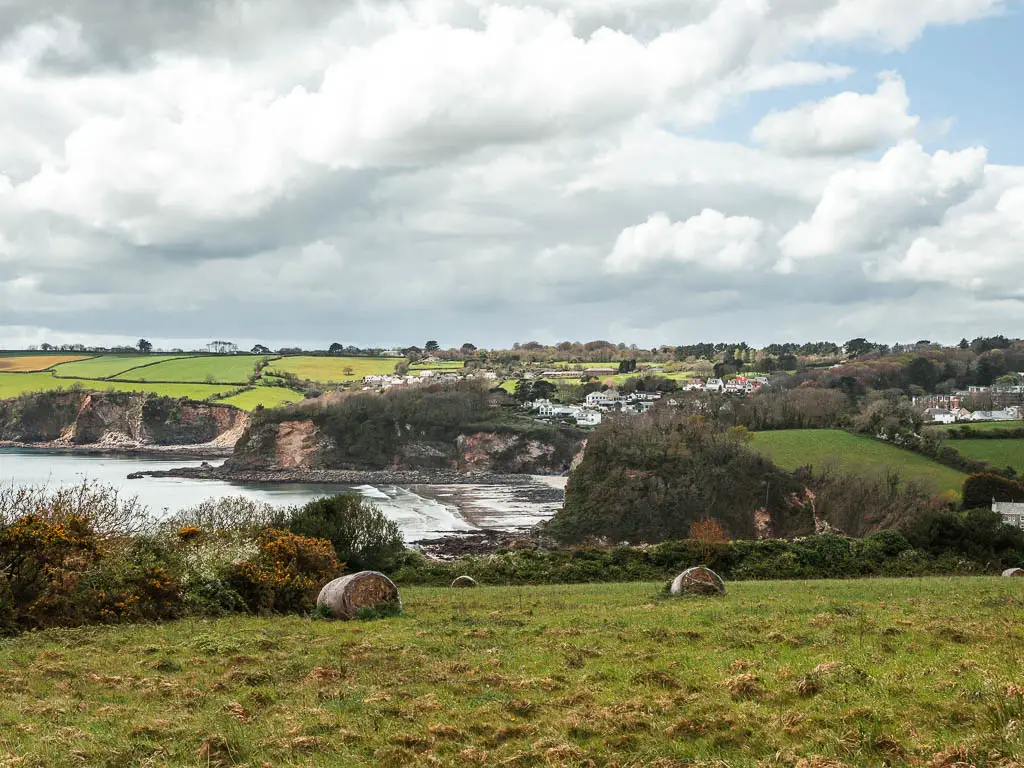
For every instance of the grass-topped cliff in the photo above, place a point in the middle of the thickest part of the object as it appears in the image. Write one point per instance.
(433, 428)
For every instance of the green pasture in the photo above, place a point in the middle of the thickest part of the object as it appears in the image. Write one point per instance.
(15, 384)
(915, 672)
(229, 369)
(268, 397)
(108, 366)
(997, 452)
(853, 453)
(333, 369)
(979, 426)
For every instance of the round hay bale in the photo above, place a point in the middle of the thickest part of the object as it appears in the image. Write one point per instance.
(346, 595)
(1013, 572)
(698, 581)
(464, 582)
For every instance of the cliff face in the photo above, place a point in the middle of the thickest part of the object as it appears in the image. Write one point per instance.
(117, 419)
(301, 444)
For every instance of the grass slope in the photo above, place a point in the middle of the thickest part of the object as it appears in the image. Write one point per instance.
(14, 384)
(219, 369)
(17, 363)
(332, 369)
(829, 673)
(794, 448)
(268, 397)
(106, 366)
(998, 453)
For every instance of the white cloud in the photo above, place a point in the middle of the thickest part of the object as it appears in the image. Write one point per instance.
(896, 24)
(200, 161)
(711, 240)
(977, 250)
(846, 123)
(874, 204)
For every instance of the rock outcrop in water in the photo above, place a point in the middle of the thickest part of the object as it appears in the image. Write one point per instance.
(118, 420)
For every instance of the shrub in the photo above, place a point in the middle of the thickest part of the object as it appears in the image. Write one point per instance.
(229, 513)
(102, 507)
(43, 565)
(981, 489)
(286, 574)
(362, 536)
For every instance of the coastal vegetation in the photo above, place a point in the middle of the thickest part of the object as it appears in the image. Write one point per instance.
(427, 427)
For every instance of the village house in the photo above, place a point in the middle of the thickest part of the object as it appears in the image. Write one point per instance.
(1012, 413)
(607, 399)
(939, 416)
(1011, 512)
(715, 385)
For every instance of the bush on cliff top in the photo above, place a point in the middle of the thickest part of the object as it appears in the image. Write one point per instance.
(370, 430)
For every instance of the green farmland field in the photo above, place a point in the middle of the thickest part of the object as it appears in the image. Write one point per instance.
(107, 366)
(918, 672)
(333, 369)
(14, 384)
(998, 453)
(817, 447)
(441, 365)
(982, 426)
(211, 368)
(268, 397)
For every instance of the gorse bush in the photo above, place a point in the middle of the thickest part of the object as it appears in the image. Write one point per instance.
(363, 537)
(110, 564)
(286, 574)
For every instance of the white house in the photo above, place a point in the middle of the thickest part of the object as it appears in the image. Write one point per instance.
(939, 416)
(715, 385)
(1012, 513)
(588, 418)
(603, 399)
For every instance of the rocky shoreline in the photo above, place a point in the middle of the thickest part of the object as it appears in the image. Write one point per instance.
(202, 451)
(399, 477)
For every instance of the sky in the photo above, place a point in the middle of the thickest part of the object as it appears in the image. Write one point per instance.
(380, 173)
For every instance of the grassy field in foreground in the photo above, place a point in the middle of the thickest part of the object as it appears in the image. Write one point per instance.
(211, 369)
(106, 366)
(816, 447)
(14, 384)
(328, 369)
(911, 672)
(998, 453)
(268, 397)
(15, 363)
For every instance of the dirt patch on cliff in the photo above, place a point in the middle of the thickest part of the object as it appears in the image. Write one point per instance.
(296, 444)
